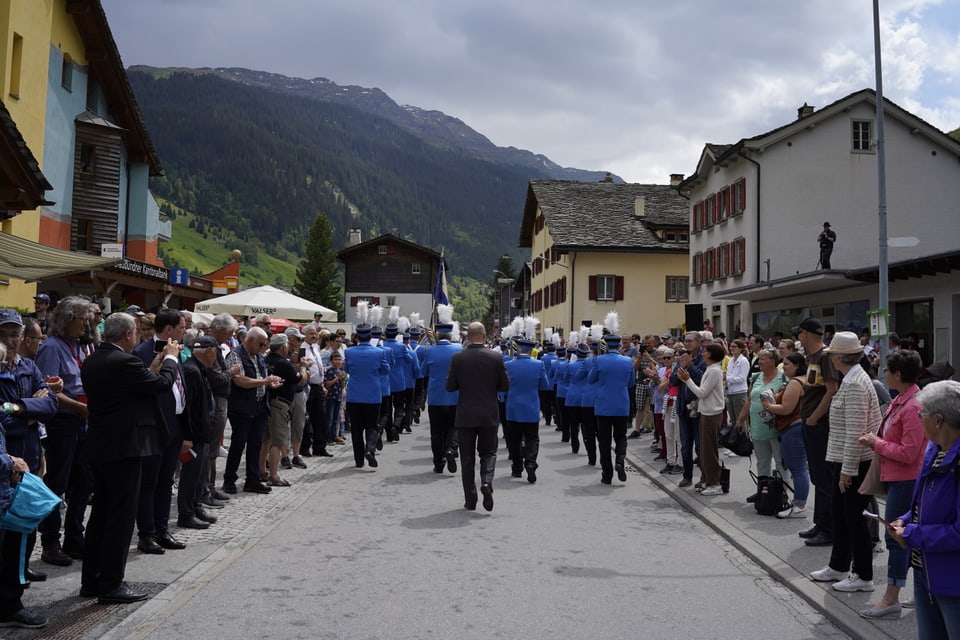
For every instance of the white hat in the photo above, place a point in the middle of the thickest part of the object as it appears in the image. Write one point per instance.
(845, 343)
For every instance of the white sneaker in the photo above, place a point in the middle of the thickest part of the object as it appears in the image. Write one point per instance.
(793, 511)
(828, 575)
(853, 583)
(712, 490)
(223, 452)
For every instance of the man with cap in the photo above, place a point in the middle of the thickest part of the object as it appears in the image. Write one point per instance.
(317, 324)
(201, 406)
(826, 240)
(441, 404)
(298, 412)
(366, 365)
(41, 305)
(820, 385)
(478, 374)
(613, 375)
(281, 403)
(548, 357)
(385, 419)
(576, 385)
(400, 371)
(527, 379)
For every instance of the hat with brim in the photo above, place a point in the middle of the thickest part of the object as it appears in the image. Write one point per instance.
(612, 340)
(363, 330)
(293, 332)
(42, 297)
(809, 324)
(525, 344)
(845, 343)
(205, 342)
(10, 316)
(444, 327)
(377, 331)
(391, 330)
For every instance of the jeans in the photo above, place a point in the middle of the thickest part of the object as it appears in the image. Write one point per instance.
(768, 454)
(899, 495)
(795, 459)
(689, 439)
(332, 413)
(938, 617)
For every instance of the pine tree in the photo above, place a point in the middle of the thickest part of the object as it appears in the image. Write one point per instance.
(317, 274)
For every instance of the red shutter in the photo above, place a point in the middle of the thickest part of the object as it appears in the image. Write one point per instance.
(729, 202)
(618, 287)
(592, 288)
(742, 186)
(695, 269)
(742, 255)
(695, 217)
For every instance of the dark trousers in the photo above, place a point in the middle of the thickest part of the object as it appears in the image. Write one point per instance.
(156, 485)
(815, 441)
(385, 419)
(399, 408)
(246, 433)
(10, 588)
(419, 398)
(443, 435)
(614, 427)
(523, 443)
(110, 528)
(190, 490)
(475, 441)
(825, 253)
(558, 403)
(589, 429)
(364, 428)
(409, 395)
(851, 531)
(571, 426)
(61, 448)
(316, 411)
(546, 405)
(213, 450)
(689, 440)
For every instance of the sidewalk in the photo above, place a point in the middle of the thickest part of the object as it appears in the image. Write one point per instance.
(774, 545)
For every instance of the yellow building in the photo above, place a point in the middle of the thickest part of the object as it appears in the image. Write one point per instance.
(597, 247)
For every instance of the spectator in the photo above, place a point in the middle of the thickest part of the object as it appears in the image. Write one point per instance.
(787, 411)
(711, 405)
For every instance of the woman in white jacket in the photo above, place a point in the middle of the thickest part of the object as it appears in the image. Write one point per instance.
(738, 371)
(711, 405)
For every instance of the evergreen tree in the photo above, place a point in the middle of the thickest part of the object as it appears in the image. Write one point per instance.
(317, 274)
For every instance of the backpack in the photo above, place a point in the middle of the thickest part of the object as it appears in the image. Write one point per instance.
(771, 494)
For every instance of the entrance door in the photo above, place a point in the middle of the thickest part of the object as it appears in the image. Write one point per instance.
(915, 320)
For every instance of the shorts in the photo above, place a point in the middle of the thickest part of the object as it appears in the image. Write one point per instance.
(278, 423)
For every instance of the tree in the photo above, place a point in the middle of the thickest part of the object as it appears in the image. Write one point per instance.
(503, 275)
(317, 274)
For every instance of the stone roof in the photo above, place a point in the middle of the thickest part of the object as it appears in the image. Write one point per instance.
(601, 216)
(22, 183)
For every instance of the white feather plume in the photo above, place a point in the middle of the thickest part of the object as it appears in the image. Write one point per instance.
(517, 325)
(455, 334)
(596, 332)
(530, 325)
(414, 319)
(444, 313)
(572, 339)
(548, 334)
(403, 323)
(393, 314)
(612, 323)
(375, 315)
(557, 340)
(584, 332)
(507, 332)
(363, 310)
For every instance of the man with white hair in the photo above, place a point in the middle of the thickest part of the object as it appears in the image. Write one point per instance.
(281, 403)
(222, 328)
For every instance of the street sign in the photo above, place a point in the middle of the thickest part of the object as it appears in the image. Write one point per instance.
(111, 251)
(180, 277)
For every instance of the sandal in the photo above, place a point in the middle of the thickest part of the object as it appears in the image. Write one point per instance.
(277, 482)
(264, 476)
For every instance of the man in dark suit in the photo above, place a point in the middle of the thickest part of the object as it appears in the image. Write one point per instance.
(478, 374)
(125, 427)
(156, 490)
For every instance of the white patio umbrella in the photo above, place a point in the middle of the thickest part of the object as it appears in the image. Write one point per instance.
(266, 299)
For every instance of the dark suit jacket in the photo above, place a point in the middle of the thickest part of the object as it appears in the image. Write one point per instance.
(125, 420)
(200, 402)
(478, 374)
(168, 403)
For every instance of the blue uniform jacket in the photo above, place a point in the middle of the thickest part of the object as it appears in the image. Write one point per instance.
(577, 377)
(589, 398)
(613, 375)
(23, 438)
(385, 384)
(367, 365)
(436, 363)
(398, 368)
(527, 379)
(559, 373)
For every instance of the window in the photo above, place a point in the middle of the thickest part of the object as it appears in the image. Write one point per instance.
(66, 73)
(862, 139)
(602, 288)
(391, 301)
(695, 268)
(679, 237)
(415, 269)
(739, 261)
(723, 260)
(695, 218)
(738, 195)
(382, 249)
(16, 61)
(88, 158)
(678, 289)
(83, 240)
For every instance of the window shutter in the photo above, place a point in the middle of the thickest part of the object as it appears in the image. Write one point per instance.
(695, 218)
(742, 186)
(592, 288)
(618, 287)
(741, 255)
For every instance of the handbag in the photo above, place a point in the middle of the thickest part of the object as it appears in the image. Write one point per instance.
(771, 494)
(32, 501)
(724, 477)
(737, 441)
(872, 485)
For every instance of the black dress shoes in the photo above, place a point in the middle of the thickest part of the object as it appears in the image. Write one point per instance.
(621, 472)
(819, 540)
(75, 552)
(216, 494)
(56, 556)
(438, 468)
(256, 487)
(531, 475)
(122, 595)
(229, 487)
(148, 545)
(451, 462)
(516, 473)
(88, 592)
(212, 503)
(380, 443)
(372, 459)
(192, 522)
(203, 515)
(34, 576)
(487, 492)
(470, 506)
(167, 541)
(809, 533)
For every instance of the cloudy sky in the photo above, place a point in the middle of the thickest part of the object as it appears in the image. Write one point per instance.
(631, 86)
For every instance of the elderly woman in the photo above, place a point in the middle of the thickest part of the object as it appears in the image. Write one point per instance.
(854, 412)
(930, 529)
(738, 371)
(766, 439)
(899, 446)
(710, 394)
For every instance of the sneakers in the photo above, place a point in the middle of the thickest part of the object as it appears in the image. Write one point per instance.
(853, 582)
(712, 490)
(793, 511)
(285, 463)
(298, 462)
(676, 470)
(828, 575)
(686, 482)
(25, 619)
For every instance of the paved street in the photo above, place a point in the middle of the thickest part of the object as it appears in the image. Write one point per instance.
(391, 553)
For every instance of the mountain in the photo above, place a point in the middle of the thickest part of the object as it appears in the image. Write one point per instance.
(256, 163)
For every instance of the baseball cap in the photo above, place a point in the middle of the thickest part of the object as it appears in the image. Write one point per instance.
(134, 310)
(278, 339)
(809, 324)
(10, 316)
(293, 332)
(42, 296)
(206, 342)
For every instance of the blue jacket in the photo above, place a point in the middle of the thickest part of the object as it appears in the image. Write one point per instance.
(23, 438)
(548, 360)
(613, 375)
(559, 377)
(436, 363)
(420, 351)
(577, 376)
(386, 385)
(527, 379)
(399, 368)
(589, 398)
(937, 532)
(367, 365)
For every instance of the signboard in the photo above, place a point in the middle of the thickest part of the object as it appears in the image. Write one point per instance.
(111, 251)
(180, 277)
(233, 282)
(879, 321)
(220, 287)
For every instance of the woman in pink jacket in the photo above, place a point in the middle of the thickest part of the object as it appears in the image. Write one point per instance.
(900, 445)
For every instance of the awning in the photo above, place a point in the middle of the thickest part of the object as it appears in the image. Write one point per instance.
(31, 261)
